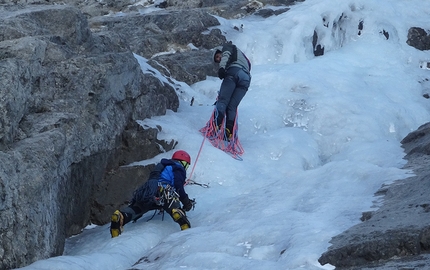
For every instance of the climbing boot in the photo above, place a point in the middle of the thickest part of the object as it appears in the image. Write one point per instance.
(179, 217)
(117, 220)
(228, 134)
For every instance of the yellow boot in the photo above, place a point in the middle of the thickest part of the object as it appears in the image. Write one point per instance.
(117, 221)
(179, 217)
(228, 134)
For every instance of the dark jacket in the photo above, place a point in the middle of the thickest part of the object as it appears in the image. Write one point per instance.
(233, 57)
(166, 172)
(175, 175)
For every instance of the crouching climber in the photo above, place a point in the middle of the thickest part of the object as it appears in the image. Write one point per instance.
(164, 190)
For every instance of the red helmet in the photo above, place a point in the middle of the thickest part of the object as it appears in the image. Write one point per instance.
(182, 155)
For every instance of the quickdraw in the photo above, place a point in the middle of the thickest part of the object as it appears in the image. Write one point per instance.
(192, 182)
(167, 193)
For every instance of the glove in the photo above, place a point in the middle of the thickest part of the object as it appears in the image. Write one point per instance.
(189, 205)
(221, 73)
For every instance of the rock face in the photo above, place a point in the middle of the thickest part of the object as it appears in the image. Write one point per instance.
(68, 101)
(162, 31)
(166, 33)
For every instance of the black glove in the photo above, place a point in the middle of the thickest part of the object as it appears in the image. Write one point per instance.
(189, 205)
(221, 73)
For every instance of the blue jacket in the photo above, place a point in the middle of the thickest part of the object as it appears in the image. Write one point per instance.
(175, 175)
(168, 171)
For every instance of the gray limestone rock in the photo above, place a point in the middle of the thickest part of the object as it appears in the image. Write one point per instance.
(418, 38)
(189, 67)
(68, 104)
(157, 32)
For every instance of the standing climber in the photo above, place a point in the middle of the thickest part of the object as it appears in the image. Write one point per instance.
(234, 70)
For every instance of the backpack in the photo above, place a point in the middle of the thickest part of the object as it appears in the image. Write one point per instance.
(146, 192)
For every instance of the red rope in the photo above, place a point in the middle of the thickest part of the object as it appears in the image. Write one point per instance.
(218, 139)
(197, 158)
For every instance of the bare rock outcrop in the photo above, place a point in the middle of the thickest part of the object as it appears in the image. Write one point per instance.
(418, 38)
(68, 101)
(149, 34)
(177, 43)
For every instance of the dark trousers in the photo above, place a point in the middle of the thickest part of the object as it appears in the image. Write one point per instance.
(137, 209)
(233, 89)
